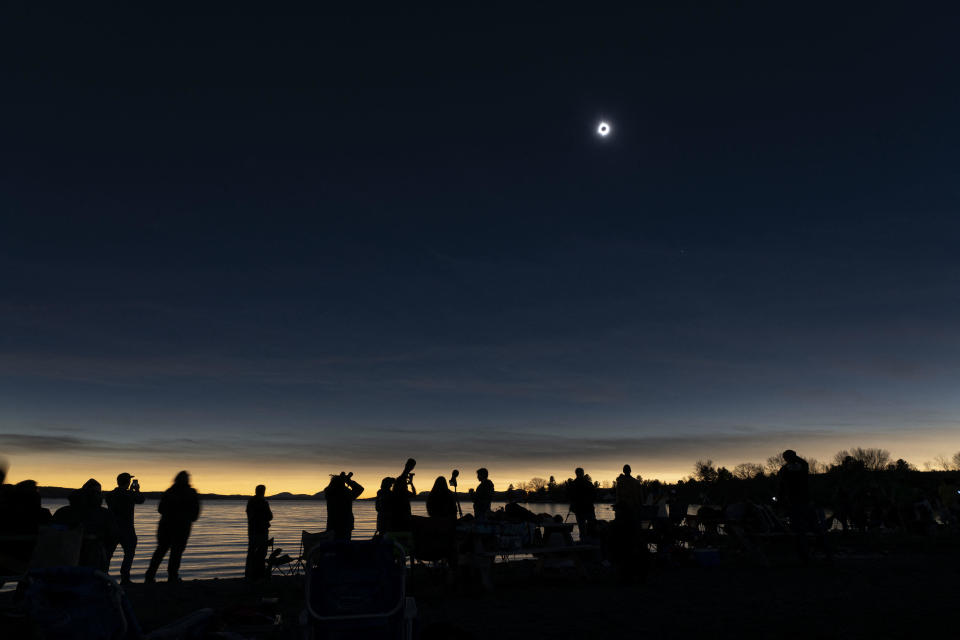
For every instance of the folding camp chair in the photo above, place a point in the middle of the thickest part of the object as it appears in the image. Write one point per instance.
(307, 542)
(434, 539)
(279, 561)
(357, 590)
(80, 603)
(53, 546)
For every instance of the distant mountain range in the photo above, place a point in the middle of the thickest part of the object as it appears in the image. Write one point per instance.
(64, 492)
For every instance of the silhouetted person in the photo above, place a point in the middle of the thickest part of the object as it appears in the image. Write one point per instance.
(626, 548)
(179, 508)
(340, 494)
(121, 502)
(9, 553)
(382, 504)
(483, 496)
(582, 495)
(259, 516)
(629, 497)
(794, 491)
(441, 502)
(456, 498)
(948, 494)
(5, 490)
(100, 532)
(398, 512)
(21, 514)
(26, 510)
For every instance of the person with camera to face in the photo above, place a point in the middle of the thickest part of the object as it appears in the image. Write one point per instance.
(121, 502)
(340, 494)
(398, 512)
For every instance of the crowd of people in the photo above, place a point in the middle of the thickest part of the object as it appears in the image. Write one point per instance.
(107, 527)
(104, 527)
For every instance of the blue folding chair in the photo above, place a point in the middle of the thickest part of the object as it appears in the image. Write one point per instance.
(357, 590)
(80, 603)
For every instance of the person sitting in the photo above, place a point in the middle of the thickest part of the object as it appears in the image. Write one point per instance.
(441, 502)
(340, 494)
(948, 494)
(100, 531)
(21, 516)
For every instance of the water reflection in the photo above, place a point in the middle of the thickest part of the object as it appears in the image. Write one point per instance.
(218, 544)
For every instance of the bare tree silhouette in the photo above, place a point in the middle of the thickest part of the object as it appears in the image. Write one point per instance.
(872, 458)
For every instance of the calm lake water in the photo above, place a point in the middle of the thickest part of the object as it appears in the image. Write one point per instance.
(218, 542)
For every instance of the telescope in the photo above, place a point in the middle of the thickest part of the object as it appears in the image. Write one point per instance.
(453, 481)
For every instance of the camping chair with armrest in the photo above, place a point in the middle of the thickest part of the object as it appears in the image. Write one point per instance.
(81, 603)
(277, 560)
(15, 551)
(433, 539)
(357, 590)
(53, 546)
(753, 527)
(307, 542)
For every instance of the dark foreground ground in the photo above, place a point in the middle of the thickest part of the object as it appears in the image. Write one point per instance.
(864, 594)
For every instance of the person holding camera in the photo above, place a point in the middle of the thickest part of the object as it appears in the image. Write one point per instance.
(398, 507)
(121, 502)
(340, 494)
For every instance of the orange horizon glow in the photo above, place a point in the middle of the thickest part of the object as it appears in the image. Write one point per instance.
(240, 476)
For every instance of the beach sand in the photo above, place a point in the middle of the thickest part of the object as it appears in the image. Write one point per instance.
(868, 594)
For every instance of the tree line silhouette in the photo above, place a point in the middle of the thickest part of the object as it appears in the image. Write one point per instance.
(861, 490)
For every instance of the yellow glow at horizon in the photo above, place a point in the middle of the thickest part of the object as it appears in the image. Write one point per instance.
(240, 476)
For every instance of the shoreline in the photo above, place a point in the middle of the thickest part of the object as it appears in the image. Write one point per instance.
(883, 592)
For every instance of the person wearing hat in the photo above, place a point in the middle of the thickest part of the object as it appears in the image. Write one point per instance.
(121, 502)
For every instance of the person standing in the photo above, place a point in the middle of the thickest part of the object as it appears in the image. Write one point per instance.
(382, 505)
(399, 513)
(483, 496)
(179, 508)
(340, 494)
(121, 502)
(582, 495)
(794, 490)
(259, 516)
(441, 502)
(629, 496)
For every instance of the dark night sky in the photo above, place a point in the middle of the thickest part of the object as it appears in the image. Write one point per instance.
(313, 241)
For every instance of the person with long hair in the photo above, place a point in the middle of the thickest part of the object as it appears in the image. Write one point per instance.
(179, 508)
(441, 502)
(383, 504)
